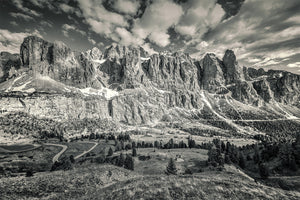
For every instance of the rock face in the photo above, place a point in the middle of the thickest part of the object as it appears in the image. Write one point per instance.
(129, 85)
(213, 73)
(233, 72)
(9, 64)
(57, 61)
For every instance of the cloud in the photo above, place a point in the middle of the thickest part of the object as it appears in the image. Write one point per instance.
(126, 38)
(47, 23)
(292, 65)
(21, 7)
(202, 45)
(66, 28)
(100, 44)
(186, 30)
(147, 47)
(66, 8)
(100, 20)
(13, 23)
(126, 6)
(21, 16)
(160, 38)
(10, 41)
(69, 9)
(92, 41)
(199, 17)
(156, 21)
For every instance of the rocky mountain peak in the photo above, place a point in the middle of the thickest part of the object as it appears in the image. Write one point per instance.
(233, 71)
(93, 54)
(34, 50)
(9, 63)
(213, 75)
(230, 56)
(116, 51)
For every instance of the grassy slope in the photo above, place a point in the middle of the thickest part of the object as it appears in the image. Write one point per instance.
(109, 182)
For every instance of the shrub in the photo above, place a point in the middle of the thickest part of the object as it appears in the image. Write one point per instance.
(171, 167)
(72, 159)
(188, 171)
(64, 164)
(121, 160)
(110, 152)
(129, 162)
(29, 173)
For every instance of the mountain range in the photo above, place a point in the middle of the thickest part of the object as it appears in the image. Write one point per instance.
(128, 85)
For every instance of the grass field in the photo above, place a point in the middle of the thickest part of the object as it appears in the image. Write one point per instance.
(15, 148)
(184, 158)
(38, 160)
(93, 181)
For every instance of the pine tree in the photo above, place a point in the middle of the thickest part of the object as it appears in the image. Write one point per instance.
(292, 164)
(29, 173)
(134, 152)
(171, 167)
(72, 159)
(110, 152)
(215, 157)
(256, 156)
(129, 162)
(121, 160)
(242, 162)
(227, 159)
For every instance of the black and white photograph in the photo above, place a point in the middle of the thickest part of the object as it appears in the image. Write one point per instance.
(149, 99)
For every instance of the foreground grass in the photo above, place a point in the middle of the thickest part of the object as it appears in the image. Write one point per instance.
(92, 181)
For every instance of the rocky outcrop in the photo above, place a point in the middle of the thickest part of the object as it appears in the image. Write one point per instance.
(94, 54)
(58, 61)
(35, 50)
(213, 74)
(233, 72)
(244, 92)
(262, 88)
(9, 64)
(285, 87)
(254, 73)
(280, 86)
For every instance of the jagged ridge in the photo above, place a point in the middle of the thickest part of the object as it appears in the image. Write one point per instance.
(127, 84)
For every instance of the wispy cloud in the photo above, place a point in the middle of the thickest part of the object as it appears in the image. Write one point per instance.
(66, 28)
(22, 8)
(21, 16)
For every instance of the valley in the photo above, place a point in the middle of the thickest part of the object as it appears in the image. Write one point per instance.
(112, 124)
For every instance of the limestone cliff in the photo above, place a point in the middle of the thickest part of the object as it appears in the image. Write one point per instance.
(128, 85)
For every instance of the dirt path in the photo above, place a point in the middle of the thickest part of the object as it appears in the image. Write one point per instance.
(56, 157)
(85, 152)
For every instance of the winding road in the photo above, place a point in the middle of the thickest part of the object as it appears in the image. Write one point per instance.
(64, 148)
(85, 152)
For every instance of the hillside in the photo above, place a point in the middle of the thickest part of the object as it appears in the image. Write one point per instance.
(108, 182)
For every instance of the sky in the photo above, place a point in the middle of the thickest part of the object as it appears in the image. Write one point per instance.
(262, 33)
